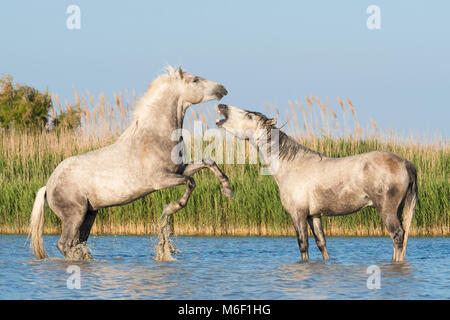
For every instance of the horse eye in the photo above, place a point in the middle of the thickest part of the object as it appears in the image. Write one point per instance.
(249, 116)
(196, 79)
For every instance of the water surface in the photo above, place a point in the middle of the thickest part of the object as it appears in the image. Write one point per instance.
(228, 268)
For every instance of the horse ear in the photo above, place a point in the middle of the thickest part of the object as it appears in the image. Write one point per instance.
(180, 72)
(272, 122)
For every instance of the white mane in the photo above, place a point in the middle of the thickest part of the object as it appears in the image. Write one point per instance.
(139, 110)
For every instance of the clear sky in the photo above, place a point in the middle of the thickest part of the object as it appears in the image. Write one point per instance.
(262, 51)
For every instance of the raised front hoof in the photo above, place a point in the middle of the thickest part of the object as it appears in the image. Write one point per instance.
(228, 193)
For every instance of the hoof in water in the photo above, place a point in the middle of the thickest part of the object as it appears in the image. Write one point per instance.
(80, 252)
(164, 252)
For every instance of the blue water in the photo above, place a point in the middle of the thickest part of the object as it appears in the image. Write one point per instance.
(228, 268)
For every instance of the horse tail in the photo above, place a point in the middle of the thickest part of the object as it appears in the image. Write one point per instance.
(410, 205)
(37, 224)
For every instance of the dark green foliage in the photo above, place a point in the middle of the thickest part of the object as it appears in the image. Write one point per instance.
(22, 107)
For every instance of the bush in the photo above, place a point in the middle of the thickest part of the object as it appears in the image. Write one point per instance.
(22, 106)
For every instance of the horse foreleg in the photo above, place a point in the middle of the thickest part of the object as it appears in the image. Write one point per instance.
(301, 228)
(165, 247)
(192, 168)
(316, 227)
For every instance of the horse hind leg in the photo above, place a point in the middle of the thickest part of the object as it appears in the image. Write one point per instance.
(390, 217)
(85, 231)
(86, 226)
(75, 222)
(69, 243)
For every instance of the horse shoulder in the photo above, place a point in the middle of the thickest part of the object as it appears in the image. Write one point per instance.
(294, 191)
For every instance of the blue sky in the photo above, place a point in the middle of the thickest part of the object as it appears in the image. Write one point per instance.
(262, 51)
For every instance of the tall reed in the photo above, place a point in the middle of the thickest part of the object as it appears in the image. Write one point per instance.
(28, 158)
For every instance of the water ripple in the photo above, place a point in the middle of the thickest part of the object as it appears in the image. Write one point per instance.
(228, 268)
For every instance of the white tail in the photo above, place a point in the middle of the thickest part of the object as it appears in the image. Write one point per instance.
(37, 224)
(410, 205)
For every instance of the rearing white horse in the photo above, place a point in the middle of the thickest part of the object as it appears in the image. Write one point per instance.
(137, 164)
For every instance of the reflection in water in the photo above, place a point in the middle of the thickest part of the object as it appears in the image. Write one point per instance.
(310, 279)
(400, 269)
(108, 280)
(138, 282)
(227, 268)
(331, 280)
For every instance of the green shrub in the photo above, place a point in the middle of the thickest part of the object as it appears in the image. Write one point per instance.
(22, 107)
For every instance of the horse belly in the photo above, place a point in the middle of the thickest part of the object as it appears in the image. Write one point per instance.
(335, 201)
(109, 195)
(108, 187)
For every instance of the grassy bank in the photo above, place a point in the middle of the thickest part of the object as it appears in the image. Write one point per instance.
(28, 159)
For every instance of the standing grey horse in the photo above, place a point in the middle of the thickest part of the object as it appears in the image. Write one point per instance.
(312, 185)
(139, 163)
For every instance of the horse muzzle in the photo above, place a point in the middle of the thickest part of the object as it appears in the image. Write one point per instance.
(220, 92)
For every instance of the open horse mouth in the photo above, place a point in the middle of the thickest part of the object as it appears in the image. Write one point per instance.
(223, 110)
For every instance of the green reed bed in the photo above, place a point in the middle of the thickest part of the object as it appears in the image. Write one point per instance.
(28, 159)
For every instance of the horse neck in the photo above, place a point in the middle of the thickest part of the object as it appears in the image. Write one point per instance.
(160, 113)
(163, 116)
(278, 152)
